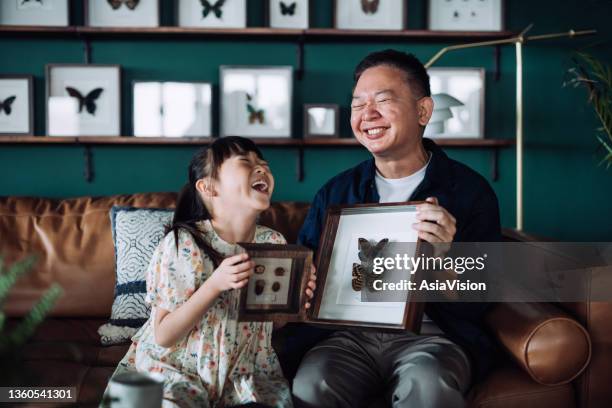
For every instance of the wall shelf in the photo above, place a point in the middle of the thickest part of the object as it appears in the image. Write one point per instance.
(267, 142)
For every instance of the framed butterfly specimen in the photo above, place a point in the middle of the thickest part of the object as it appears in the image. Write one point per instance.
(172, 109)
(122, 13)
(276, 290)
(256, 101)
(35, 12)
(288, 13)
(16, 105)
(350, 272)
(370, 14)
(466, 15)
(321, 120)
(211, 13)
(83, 100)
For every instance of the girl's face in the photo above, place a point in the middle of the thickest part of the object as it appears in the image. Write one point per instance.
(244, 181)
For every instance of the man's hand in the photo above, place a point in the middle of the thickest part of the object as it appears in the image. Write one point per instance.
(436, 225)
(312, 285)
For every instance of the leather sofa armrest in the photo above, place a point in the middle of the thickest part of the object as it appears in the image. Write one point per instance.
(551, 346)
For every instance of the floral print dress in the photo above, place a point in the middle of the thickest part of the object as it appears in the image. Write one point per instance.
(221, 362)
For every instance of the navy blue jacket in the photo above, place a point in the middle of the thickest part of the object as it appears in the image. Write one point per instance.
(463, 193)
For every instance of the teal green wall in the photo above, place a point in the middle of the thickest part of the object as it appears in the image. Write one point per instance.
(567, 195)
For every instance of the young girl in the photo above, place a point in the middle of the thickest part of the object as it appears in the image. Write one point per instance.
(193, 338)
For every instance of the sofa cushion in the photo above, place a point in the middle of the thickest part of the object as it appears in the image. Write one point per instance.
(136, 234)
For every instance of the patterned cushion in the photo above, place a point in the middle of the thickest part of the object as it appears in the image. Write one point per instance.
(136, 234)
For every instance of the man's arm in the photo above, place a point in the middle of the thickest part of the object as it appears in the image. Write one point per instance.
(311, 229)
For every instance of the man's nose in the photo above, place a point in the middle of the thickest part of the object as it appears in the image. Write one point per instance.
(371, 113)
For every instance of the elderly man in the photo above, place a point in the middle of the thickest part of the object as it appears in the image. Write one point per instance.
(391, 106)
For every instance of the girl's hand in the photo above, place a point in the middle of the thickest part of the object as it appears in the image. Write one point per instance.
(232, 273)
(312, 285)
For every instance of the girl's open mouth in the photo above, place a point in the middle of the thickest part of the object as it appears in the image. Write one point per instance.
(260, 186)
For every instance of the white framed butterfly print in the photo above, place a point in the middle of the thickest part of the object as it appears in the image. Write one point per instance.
(34, 12)
(321, 120)
(289, 13)
(211, 13)
(83, 100)
(370, 14)
(16, 105)
(256, 101)
(172, 109)
(350, 290)
(122, 13)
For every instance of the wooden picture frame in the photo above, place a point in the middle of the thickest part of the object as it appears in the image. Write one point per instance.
(437, 21)
(370, 315)
(323, 130)
(369, 23)
(276, 291)
(269, 20)
(112, 127)
(126, 23)
(53, 13)
(8, 128)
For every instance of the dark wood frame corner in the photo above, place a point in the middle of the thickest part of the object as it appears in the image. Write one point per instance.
(49, 67)
(86, 16)
(294, 311)
(415, 306)
(30, 80)
(404, 17)
(333, 106)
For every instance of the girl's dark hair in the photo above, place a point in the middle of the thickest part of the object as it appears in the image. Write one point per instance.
(190, 208)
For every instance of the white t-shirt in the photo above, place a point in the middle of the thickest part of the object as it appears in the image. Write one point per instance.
(399, 190)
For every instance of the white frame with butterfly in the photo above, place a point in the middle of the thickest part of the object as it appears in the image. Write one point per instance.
(370, 14)
(465, 15)
(83, 99)
(211, 13)
(52, 13)
(291, 14)
(122, 13)
(16, 105)
(256, 101)
(340, 299)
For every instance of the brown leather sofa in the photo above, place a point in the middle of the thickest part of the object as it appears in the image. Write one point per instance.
(556, 355)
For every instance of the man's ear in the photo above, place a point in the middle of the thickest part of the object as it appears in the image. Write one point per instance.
(205, 187)
(425, 108)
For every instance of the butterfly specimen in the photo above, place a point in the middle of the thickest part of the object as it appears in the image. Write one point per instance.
(131, 4)
(260, 284)
(362, 274)
(369, 6)
(288, 10)
(5, 106)
(280, 271)
(259, 269)
(255, 115)
(215, 8)
(88, 101)
(276, 286)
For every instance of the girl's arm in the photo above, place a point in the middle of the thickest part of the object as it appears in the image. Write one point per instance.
(170, 327)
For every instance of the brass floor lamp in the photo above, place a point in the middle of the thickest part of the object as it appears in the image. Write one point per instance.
(518, 41)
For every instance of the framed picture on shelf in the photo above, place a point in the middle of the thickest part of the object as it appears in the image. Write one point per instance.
(211, 13)
(277, 287)
(321, 120)
(459, 99)
(256, 101)
(172, 109)
(83, 100)
(288, 13)
(122, 13)
(16, 105)
(370, 14)
(349, 281)
(34, 12)
(466, 15)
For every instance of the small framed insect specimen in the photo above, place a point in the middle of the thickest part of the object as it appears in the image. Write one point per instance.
(212, 13)
(321, 120)
(16, 105)
(356, 288)
(370, 14)
(35, 12)
(122, 13)
(288, 13)
(83, 100)
(276, 290)
(256, 101)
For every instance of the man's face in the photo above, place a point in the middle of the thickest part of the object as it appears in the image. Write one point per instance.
(386, 117)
